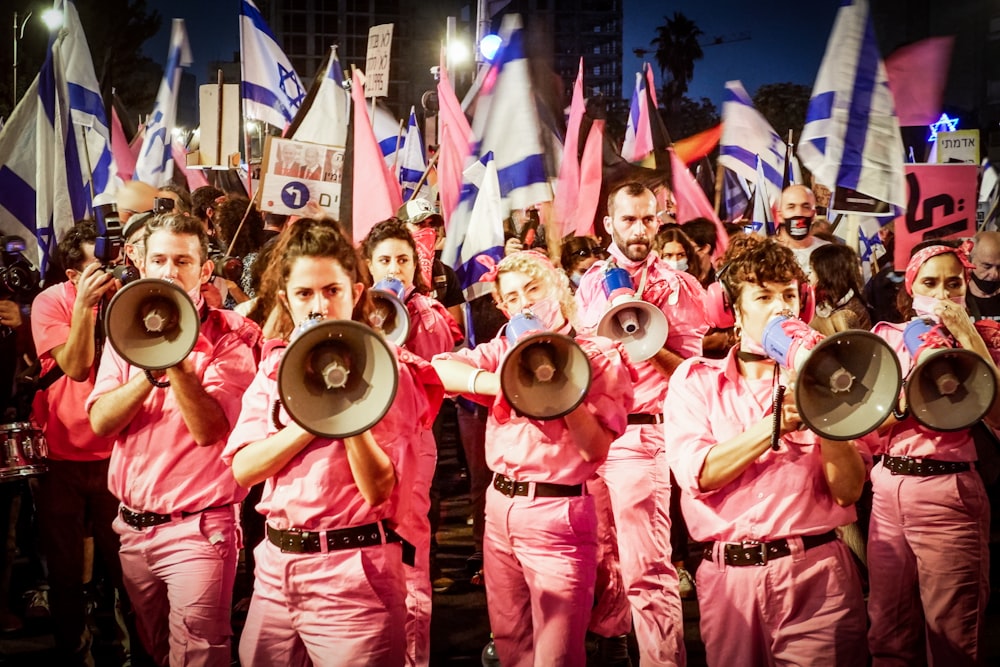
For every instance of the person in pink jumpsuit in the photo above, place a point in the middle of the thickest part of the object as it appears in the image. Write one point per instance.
(391, 252)
(930, 515)
(329, 584)
(636, 472)
(179, 501)
(540, 545)
(776, 585)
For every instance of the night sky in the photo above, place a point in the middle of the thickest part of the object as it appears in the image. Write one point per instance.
(786, 43)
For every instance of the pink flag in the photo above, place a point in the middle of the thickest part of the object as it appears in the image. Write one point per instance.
(692, 203)
(120, 149)
(568, 188)
(195, 177)
(453, 145)
(917, 75)
(650, 83)
(591, 171)
(376, 193)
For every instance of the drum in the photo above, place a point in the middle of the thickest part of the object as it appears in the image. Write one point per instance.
(23, 451)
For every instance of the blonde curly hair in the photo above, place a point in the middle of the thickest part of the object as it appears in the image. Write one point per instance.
(537, 266)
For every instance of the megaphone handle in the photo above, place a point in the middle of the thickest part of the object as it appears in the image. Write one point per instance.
(779, 394)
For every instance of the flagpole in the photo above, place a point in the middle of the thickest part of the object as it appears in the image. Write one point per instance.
(395, 156)
(423, 176)
(720, 174)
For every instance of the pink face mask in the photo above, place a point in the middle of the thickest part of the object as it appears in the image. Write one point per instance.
(924, 305)
(549, 313)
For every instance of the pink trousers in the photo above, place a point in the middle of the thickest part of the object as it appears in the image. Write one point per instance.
(418, 577)
(802, 609)
(179, 577)
(639, 487)
(611, 615)
(343, 608)
(540, 556)
(929, 561)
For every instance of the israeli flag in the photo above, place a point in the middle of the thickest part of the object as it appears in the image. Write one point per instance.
(272, 92)
(506, 124)
(325, 120)
(851, 138)
(155, 163)
(413, 161)
(762, 220)
(747, 136)
(55, 149)
(476, 231)
(638, 141)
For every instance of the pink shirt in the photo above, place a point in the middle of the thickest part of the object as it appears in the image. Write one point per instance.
(677, 293)
(909, 437)
(59, 409)
(432, 328)
(529, 450)
(156, 466)
(781, 494)
(316, 489)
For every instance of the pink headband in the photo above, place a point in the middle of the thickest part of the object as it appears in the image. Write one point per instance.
(494, 267)
(924, 254)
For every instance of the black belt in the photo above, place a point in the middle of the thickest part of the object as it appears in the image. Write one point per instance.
(758, 553)
(637, 419)
(149, 519)
(510, 488)
(905, 465)
(298, 541)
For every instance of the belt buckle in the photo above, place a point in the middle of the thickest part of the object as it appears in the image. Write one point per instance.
(506, 486)
(905, 465)
(292, 538)
(748, 545)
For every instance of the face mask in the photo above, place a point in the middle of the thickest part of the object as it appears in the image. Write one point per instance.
(924, 305)
(548, 312)
(987, 286)
(576, 277)
(797, 227)
(677, 264)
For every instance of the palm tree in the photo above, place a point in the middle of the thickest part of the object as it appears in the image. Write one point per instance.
(677, 49)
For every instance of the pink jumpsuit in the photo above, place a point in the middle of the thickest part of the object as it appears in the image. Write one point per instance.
(432, 331)
(179, 574)
(340, 606)
(540, 553)
(932, 534)
(636, 472)
(804, 608)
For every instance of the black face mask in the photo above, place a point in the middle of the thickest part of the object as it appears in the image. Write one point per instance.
(987, 286)
(798, 226)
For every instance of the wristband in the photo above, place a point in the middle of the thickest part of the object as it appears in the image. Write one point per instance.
(472, 380)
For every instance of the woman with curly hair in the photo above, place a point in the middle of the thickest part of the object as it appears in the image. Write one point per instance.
(540, 547)
(765, 493)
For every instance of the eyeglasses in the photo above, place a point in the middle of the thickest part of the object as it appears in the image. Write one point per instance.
(596, 251)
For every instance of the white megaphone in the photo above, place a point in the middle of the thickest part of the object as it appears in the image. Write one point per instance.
(153, 324)
(544, 375)
(846, 384)
(337, 378)
(638, 325)
(949, 388)
(390, 315)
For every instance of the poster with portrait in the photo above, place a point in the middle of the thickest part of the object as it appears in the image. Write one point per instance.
(296, 172)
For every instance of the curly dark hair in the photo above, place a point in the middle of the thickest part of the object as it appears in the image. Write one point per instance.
(756, 260)
(308, 237)
(394, 228)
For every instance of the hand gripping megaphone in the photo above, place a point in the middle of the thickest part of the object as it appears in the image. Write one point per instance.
(337, 378)
(390, 315)
(638, 325)
(949, 388)
(152, 323)
(846, 384)
(545, 375)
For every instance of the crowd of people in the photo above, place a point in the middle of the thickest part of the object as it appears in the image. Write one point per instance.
(810, 550)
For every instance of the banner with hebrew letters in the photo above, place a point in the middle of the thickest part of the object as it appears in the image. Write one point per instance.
(940, 204)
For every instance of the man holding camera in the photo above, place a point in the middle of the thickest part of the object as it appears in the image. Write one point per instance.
(178, 520)
(73, 498)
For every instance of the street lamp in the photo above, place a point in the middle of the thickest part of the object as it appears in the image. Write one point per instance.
(52, 18)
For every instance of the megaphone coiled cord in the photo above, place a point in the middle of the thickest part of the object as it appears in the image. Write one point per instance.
(275, 412)
(162, 384)
(779, 394)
